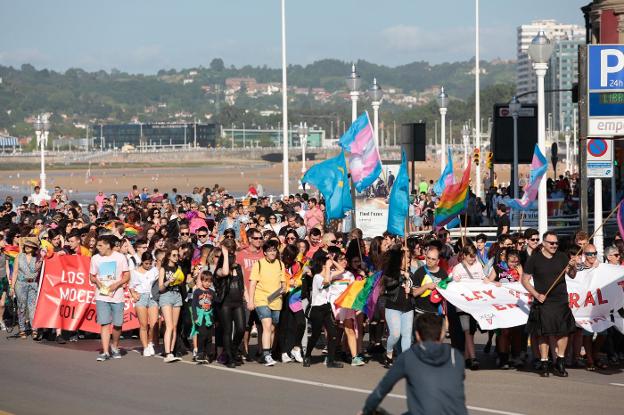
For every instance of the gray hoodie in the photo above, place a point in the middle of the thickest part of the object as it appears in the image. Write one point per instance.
(434, 374)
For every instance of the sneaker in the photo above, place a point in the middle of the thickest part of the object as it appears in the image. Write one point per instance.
(3, 326)
(334, 365)
(73, 338)
(115, 353)
(357, 361)
(195, 359)
(306, 362)
(296, 353)
(325, 351)
(268, 360)
(146, 352)
(60, 340)
(150, 347)
(102, 357)
(286, 358)
(170, 358)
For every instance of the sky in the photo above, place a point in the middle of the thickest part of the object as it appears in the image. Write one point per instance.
(143, 36)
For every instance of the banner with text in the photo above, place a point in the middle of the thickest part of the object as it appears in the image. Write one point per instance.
(493, 307)
(67, 298)
(596, 295)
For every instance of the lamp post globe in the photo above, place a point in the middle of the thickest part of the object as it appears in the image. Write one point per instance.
(376, 95)
(354, 82)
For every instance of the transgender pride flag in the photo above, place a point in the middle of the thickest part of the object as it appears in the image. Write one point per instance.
(539, 165)
(364, 160)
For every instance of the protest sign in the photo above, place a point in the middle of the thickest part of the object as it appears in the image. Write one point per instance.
(67, 298)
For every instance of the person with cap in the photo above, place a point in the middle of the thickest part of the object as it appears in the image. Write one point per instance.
(24, 284)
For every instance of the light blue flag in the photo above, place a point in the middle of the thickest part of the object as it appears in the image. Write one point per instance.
(399, 200)
(330, 177)
(447, 175)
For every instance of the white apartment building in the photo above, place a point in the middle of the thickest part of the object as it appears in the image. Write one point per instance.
(525, 76)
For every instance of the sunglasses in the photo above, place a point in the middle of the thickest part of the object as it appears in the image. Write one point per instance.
(591, 253)
(616, 255)
(256, 238)
(184, 233)
(534, 239)
(202, 235)
(272, 218)
(229, 236)
(333, 241)
(551, 243)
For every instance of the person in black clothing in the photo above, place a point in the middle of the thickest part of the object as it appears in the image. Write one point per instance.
(503, 220)
(425, 279)
(550, 316)
(203, 316)
(264, 209)
(434, 374)
(230, 289)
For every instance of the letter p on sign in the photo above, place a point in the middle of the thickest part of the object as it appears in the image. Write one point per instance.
(605, 69)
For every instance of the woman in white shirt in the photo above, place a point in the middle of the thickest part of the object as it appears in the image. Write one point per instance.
(468, 269)
(141, 281)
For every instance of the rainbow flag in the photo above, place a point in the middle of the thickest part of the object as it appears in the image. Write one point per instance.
(131, 230)
(294, 300)
(11, 251)
(361, 295)
(539, 166)
(453, 200)
(364, 159)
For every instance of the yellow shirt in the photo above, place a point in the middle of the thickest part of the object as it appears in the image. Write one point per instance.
(269, 277)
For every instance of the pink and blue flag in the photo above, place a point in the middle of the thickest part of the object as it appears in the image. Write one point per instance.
(364, 159)
(539, 166)
(447, 178)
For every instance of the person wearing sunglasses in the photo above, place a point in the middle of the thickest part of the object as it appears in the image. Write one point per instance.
(550, 317)
(141, 280)
(612, 255)
(230, 222)
(531, 236)
(247, 258)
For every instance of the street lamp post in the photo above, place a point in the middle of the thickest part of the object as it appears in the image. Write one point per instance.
(466, 140)
(285, 190)
(442, 103)
(376, 95)
(568, 152)
(42, 126)
(540, 50)
(303, 137)
(514, 107)
(353, 83)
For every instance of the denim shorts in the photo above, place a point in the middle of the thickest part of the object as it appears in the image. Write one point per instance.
(146, 300)
(170, 298)
(108, 313)
(264, 311)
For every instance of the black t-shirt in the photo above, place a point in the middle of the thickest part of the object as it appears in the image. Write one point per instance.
(424, 303)
(398, 300)
(503, 221)
(234, 296)
(545, 271)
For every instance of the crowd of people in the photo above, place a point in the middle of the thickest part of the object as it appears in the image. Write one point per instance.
(208, 272)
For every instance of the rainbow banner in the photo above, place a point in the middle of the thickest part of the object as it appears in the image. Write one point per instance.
(453, 200)
(364, 159)
(11, 251)
(131, 230)
(361, 295)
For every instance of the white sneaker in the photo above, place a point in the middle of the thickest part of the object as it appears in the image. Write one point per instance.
(286, 358)
(170, 358)
(146, 352)
(268, 360)
(150, 347)
(296, 353)
(2, 325)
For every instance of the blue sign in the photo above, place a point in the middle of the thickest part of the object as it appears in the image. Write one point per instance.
(605, 67)
(606, 104)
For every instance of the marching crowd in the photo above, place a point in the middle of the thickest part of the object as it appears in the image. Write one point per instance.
(208, 272)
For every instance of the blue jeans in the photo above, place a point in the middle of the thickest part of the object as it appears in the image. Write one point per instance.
(26, 293)
(399, 325)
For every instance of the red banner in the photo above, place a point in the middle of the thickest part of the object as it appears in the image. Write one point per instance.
(67, 298)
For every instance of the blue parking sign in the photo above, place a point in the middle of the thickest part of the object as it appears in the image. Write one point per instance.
(605, 67)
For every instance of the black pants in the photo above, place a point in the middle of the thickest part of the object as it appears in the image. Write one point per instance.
(228, 315)
(204, 340)
(321, 316)
(291, 328)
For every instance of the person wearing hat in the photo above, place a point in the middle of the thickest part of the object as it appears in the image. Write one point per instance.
(24, 283)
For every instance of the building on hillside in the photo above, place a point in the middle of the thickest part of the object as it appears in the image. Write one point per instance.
(526, 80)
(158, 135)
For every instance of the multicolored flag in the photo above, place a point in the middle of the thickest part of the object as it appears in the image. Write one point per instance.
(453, 200)
(364, 159)
(399, 200)
(447, 178)
(361, 295)
(539, 166)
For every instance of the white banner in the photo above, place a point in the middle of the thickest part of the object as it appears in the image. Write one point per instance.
(595, 296)
(493, 307)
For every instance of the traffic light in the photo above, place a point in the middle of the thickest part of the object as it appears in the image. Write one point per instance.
(476, 156)
(489, 160)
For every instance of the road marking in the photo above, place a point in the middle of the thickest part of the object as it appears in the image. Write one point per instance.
(617, 384)
(327, 385)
